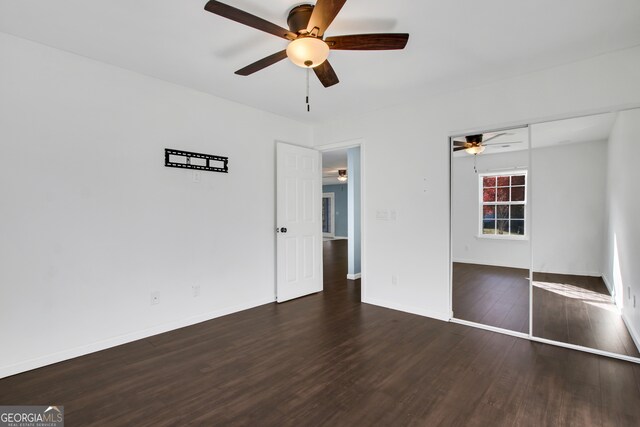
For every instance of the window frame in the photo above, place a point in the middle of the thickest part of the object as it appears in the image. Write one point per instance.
(524, 203)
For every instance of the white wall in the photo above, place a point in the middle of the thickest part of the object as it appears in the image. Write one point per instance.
(465, 244)
(569, 184)
(354, 227)
(91, 222)
(622, 255)
(410, 141)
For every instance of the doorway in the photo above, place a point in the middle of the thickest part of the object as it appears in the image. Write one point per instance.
(301, 251)
(341, 179)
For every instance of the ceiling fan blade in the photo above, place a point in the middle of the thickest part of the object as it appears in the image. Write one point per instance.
(494, 136)
(388, 41)
(326, 74)
(459, 148)
(323, 15)
(503, 143)
(459, 143)
(263, 63)
(248, 19)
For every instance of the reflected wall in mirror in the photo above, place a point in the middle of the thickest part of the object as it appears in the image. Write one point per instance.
(489, 235)
(586, 233)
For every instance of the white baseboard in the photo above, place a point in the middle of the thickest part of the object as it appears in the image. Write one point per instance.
(608, 284)
(39, 362)
(526, 267)
(354, 276)
(571, 272)
(469, 261)
(632, 331)
(408, 309)
(340, 238)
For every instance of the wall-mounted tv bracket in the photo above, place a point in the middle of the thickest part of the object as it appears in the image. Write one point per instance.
(199, 161)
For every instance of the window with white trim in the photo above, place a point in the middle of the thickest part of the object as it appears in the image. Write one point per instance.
(503, 204)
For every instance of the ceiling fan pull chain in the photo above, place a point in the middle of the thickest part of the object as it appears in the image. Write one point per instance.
(475, 163)
(308, 106)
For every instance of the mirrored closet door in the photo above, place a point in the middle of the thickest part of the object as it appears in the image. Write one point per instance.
(585, 233)
(490, 229)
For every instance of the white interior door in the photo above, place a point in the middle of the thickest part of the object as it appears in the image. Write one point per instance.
(299, 221)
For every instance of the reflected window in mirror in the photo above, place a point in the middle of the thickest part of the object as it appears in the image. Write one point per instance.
(503, 204)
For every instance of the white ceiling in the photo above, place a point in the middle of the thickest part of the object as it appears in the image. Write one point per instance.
(573, 131)
(453, 44)
(331, 162)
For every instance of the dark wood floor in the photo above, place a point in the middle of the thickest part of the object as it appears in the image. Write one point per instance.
(327, 359)
(578, 310)
(494, 296)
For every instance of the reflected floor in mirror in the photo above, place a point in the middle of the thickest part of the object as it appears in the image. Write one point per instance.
(579, 310)
(493, 296)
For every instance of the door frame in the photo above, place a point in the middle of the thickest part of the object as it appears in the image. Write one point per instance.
(332, 215)
(352, 143)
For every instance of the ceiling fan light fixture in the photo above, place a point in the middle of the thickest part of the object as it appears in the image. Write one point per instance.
(308, 52)
(342, 175)
(475, 149)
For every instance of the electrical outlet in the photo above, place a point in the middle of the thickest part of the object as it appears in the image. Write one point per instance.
(394, 280)
(196, 176)
(195, 289)
(155, 298)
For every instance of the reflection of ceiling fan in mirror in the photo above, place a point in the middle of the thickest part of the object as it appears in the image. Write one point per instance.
(476, 144)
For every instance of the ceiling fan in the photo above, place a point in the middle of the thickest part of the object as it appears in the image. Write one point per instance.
(339, 174)
(476, 144)
(307, 46)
